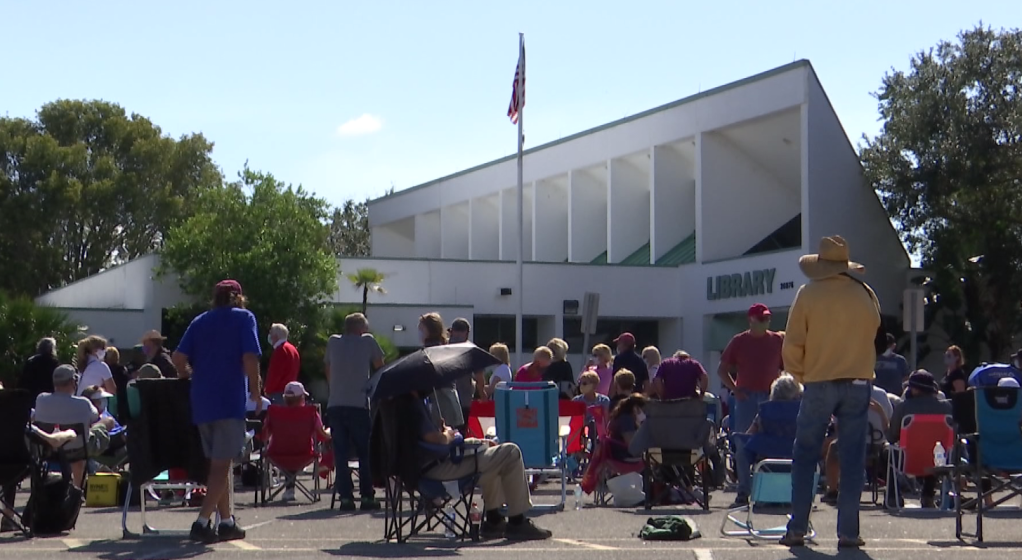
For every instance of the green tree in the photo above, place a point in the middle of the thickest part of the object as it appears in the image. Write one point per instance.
(349, 230)
(85, 186)
(22, 324)
(367, 280)
(267, 235)
(947, 166)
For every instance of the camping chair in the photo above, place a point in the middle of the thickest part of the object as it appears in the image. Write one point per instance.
(73, 452)
(429, 500)
(481, 419)
(291, 446)
(770, 452)
(672, 442)
(876, 448)
(16, 459)
(527, 415)
(572, 420)
(995, 452)
(913, 454)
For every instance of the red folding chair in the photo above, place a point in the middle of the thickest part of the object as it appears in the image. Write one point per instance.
(573, 415)
(292, 434)
(480, 413)
(913, 455)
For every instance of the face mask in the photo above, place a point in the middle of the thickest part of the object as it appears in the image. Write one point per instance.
(422, 334)
(269, 339)
(640, 417)
(950, 360)
(889, 352)
(1014, 364)
(100, 354)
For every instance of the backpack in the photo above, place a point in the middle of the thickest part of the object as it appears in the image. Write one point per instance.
(54, 503)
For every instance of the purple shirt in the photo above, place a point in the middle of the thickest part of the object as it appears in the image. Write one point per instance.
(680, 377)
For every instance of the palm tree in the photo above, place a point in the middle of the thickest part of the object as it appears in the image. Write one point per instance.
(367, 280)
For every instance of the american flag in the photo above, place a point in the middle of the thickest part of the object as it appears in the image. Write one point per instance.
(516, 105)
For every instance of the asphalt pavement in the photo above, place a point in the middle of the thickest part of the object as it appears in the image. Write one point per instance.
(301, 530)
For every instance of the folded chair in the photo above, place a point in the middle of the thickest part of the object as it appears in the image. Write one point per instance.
(414, 503)
(291, 446)
(672, 442)
(16, 458)
(770, 452)
(527, 414)
(994, 453)
(913, 454)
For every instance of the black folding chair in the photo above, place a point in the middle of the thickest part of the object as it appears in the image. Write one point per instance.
(16, 459)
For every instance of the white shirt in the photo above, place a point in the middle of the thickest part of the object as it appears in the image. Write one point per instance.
(501, 373)
(96, 373)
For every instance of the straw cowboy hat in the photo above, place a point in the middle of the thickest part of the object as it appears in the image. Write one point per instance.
(833, 259)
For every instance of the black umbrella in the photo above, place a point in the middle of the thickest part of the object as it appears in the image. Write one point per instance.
(428, 369)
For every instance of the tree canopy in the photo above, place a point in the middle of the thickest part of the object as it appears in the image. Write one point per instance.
(84, 186)
(947, 166)
(269, 236)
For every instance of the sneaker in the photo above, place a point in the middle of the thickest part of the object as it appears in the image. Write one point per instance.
(232, 532)
(369, 504)
(202, 533)
(526, 531)
(792, 540)
(830, 498)
(289, 495)
(347, 504)
(489, 530)
(740, 501)
(850, 542)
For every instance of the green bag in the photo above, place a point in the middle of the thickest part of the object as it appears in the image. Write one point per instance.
(670, 528)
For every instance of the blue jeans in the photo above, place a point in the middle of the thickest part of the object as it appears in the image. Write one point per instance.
(848, 403)
(743, 413)
(350, 426)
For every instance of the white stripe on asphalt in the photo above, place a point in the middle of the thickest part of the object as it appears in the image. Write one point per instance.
(702, 553)
(244, 545)
(590, 546)
(73, 543)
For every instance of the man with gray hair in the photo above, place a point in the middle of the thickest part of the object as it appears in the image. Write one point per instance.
(284, 363)
(37, 375)
(350, 360)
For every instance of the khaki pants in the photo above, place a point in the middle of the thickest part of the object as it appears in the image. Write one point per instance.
(501, 476)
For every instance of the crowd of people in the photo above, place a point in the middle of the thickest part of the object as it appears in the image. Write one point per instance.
(825, 359)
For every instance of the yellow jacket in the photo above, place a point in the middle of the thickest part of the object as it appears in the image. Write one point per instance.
(832, 326)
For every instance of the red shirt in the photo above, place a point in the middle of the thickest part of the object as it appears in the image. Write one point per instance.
(284, 365)
(529, 374)
(757, 359)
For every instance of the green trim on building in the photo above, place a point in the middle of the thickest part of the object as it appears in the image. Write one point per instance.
(639, 257)
(600, 259)
(682, 253)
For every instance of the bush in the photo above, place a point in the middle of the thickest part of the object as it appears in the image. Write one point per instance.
(22, 324)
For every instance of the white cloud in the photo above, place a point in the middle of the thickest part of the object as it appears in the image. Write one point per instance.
(366, 124)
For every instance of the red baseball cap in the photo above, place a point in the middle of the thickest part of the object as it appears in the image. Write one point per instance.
(230, 286)
(627, 338)
(759, 310)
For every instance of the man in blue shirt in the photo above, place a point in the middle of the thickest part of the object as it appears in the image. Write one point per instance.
(891, 369)
(218, 351)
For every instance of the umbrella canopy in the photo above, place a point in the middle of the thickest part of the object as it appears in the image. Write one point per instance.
(429, 369)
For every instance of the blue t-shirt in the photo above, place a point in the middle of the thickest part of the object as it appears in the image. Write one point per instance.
(891, 373)
(215, 343)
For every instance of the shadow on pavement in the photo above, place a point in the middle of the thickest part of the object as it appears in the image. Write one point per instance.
(168, 548)
(974, 544)
(392, 550)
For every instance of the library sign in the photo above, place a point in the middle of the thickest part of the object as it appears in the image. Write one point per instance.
(751, 283)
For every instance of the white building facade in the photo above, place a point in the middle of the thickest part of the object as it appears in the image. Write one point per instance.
(679, 217)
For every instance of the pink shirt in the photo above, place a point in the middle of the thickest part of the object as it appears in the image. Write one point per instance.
(606, 374)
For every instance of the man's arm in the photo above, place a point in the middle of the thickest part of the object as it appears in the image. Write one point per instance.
(251, 363)
(180, 360)
(727, 368)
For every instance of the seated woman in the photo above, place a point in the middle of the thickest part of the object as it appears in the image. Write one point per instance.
(625, 420)
(679, 377)
(502, 476)
(294, 396)
(624, 386)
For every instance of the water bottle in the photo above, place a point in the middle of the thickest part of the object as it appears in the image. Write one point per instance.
(578, 497)
(475, 518)
(449, 522)
(939, 457)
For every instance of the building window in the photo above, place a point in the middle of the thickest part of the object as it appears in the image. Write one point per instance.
(489, 329)
(647, 333)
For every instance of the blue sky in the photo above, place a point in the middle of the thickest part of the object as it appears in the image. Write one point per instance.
(350, 98)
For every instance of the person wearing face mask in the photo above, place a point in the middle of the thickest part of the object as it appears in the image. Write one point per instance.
(891, 368)
(284, 363)
(155, 353)
(94, 371)
(956, 380)
(749, 365)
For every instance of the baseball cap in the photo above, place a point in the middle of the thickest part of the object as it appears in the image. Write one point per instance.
(759, 310)
(460, 325)
(230, 286)
(1008, 382)
(295, 389)
(626, 337)
(64, 373)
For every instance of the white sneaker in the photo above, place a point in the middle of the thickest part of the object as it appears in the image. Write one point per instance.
(289, 495)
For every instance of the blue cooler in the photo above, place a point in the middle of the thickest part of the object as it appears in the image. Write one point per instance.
(526, 414)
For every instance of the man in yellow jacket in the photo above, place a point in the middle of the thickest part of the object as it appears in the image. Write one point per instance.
(829, 347)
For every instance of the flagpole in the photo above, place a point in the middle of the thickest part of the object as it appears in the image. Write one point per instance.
(520, 343)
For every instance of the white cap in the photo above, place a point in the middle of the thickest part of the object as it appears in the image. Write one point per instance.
(1008, 382)
(295, 389)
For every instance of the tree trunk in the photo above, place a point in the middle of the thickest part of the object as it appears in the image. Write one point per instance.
(365, 299)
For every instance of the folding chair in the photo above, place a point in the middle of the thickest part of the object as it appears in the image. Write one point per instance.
(995, 452)
(291, 446)
(16, 459)
(527, 415)
(770, 449)
(481, 418)
(572, 420)
(913, 454)
(673, 440)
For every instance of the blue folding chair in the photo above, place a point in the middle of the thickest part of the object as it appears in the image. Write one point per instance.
(994, 453)
(771, 451)
(527, 415)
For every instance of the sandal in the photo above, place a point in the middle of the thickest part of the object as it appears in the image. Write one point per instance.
(792, 540)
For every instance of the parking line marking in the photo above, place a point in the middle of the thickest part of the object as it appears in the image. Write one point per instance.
(702, 553)
(73, 543)
(244, 545)
(590, 546)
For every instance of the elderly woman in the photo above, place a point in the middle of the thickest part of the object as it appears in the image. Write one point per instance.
(784, 388)
(560, 371)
